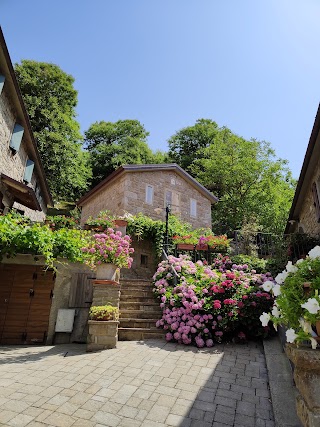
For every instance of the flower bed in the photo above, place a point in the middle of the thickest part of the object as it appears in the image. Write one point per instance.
(210, 303)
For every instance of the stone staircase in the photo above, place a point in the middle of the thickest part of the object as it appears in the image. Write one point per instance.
(139, 311)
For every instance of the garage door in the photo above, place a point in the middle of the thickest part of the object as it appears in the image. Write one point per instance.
(25, 300)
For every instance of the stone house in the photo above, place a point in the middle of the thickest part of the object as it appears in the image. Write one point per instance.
(149, 189)
(304, 216)
(23, 184)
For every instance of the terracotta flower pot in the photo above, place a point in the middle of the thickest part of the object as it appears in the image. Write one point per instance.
(185, 246)
(120, 222)
(202, 247)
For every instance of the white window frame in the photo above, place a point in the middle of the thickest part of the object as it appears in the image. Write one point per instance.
(193, 208)
(149, 194)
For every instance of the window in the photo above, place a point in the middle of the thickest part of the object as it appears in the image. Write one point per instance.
(193, 208)
(168, 198)
(144, 261)
(16, 138)
(149, 194)
(28, 171)
(2, 79)
(316, 200)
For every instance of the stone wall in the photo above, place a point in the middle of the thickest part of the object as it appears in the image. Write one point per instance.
(128, 194)
(308, 220)
(144, 262)
(109, 198)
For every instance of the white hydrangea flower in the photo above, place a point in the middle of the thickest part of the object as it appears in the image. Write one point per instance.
(281, 277)
(313, 343)
(314, 253)
(267, 286)
(275, 311)
(299, 261)
(291, 268)
(312, 305)
(264, 319)
(276, 290)
(291, 335)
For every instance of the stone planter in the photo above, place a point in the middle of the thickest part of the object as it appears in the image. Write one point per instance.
(307, 378)
(102, 335)
(107, 272)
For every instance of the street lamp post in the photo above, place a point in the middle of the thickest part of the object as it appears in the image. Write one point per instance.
(166, 237)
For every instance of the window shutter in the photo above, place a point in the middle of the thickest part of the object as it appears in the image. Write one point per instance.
(16, 137)
(2, 79)
(28, 171)
(316, 200)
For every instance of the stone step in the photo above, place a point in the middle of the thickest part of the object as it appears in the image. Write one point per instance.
(137, 323)
(137, 283)
(138, 334)
(140, 314)
(137, 292)
(138, 298)
(137, 305)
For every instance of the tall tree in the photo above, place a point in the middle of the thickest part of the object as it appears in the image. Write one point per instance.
(51, 99)
(112, 144)
(250, 181)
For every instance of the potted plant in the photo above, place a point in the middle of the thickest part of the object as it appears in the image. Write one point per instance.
(297, 307)
(186, 242)
(103, 221)
(103, 327)
(106, 252)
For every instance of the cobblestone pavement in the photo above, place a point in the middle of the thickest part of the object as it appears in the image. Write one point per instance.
(149, 384)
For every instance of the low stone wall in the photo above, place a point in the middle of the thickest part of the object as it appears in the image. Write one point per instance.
(307, 378)
(102, 335)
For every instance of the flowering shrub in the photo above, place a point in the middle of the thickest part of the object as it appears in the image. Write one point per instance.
(219, 244)
(206, 304)
(103, 313)
(109, 247)
(62, 221)
(297, 302)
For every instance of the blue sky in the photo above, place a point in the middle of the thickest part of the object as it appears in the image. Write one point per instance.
(250, 65)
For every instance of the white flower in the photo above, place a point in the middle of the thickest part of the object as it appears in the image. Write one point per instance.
(313, 343)
(275, 311)
(314, 253)
(264, 319)
(281, 277)
(267, 286)
(306, 326)
(311, 305)
(291, 335)
(276, 290)
(291, 268)
(299, 261)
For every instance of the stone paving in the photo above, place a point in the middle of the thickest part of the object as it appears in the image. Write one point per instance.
(148, 384)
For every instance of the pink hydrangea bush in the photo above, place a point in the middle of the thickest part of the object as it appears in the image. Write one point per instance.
(207, 304)
(109, 247)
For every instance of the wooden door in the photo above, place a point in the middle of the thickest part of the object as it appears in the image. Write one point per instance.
(26, 314)
(6, 281)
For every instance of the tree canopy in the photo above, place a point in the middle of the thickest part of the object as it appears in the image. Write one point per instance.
(51, 99)
(250, 181)
(112, 144)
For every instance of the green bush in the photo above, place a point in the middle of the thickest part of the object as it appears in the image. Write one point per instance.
(104, 313)
(253, 262)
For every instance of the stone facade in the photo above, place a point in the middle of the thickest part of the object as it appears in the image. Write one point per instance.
(308, 222)
(128, 194)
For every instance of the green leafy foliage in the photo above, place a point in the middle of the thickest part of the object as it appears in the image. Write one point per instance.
(103, 313)
(114, 144)
(51, 100)
(20, 237)
(248, 178)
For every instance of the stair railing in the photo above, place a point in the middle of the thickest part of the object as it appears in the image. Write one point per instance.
(175, 274)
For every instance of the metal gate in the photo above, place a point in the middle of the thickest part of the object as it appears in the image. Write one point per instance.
(26, 293)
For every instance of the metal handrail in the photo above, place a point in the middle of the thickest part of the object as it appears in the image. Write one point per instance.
(175, 274)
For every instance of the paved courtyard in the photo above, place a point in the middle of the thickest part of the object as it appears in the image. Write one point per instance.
(149, 384)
